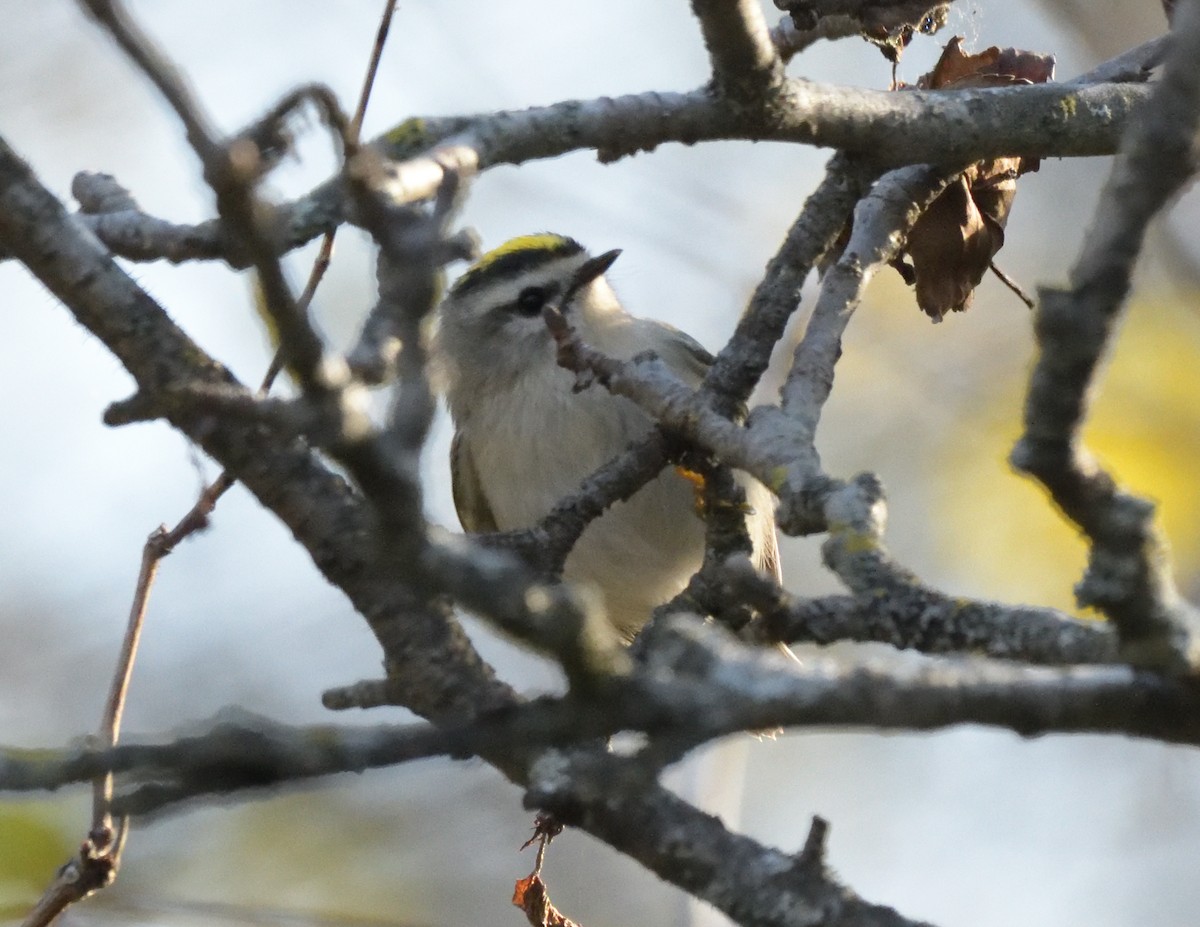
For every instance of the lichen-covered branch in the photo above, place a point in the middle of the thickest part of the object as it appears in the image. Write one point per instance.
(910, 615)
(886, 129)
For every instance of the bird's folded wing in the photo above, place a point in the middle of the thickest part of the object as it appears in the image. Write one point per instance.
(691, 360)
(469, 500)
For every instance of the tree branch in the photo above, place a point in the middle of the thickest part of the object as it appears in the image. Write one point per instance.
(700, 683)
(745, 65)
(285, 475)
(1128, 576)
(882, 221)
(884, 129)
(914, 616)
(742, 362)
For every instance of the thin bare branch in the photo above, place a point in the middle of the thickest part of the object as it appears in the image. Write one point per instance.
(882, 221)
(232, 170)
(789, 40)
(1128, 576)
(546, 545)
(745, 65)
(947, 127)
(161, 72)
(744, 359)
(1133, 65)
(364, 95)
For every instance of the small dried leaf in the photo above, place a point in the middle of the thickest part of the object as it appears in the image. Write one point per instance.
(521, 889)
(531, 896)
(992, 67)
(953, 243)
(950, 247)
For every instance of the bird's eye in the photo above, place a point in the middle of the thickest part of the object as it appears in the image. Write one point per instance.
(531, 300)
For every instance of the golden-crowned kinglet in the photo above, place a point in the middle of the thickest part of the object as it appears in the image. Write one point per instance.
(524, 438)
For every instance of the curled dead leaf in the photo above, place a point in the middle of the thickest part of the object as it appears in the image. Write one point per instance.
(952, 245)
(531, 896)
(992, 67)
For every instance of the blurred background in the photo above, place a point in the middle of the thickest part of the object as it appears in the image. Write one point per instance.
(963, 827)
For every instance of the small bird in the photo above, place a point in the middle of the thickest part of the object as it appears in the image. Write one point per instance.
(525, 437)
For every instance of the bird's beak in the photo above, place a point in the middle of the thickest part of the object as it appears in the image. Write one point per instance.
(593, 268)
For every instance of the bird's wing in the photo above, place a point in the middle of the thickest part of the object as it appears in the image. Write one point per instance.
(685, 355)
(691, 360)
(766, 553)
(472, 505)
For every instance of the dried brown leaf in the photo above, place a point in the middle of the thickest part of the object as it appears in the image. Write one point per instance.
(992, 67)
(952, 245)
(531, 896)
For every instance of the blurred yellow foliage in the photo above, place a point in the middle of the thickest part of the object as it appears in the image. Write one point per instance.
(33, 844)
(1144, 427)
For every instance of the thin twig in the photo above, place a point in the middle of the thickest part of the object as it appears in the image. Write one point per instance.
(882, 221)
(100, 854)
(208, 498)
(1012, 284)
(1129, 575)
(161, 72)
(364, 95)
(114, 707)
(745, 65)
(1132, 65)
(744, 359)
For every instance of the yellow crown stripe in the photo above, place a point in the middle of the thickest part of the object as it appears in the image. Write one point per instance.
(516, 256)
(545, 241)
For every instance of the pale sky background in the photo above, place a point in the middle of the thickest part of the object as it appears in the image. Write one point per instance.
(969, 827)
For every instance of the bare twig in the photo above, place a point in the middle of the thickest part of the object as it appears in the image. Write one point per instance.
(1012, 284)
(955, 127)
(364, 95)
(232, 170)
(161, 72)
(1128, 576)
(1133, 65)
(882, 221)
(99, 858)
(744, 359)
(745, 65)
(531, 894)
(790, 41)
